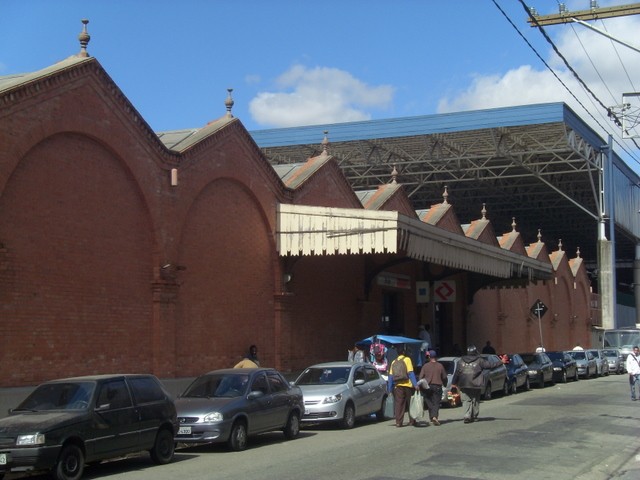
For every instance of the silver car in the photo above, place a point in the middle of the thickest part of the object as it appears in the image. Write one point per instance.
(615, 359)
(586, 363)
(602, 364)
(341, 392)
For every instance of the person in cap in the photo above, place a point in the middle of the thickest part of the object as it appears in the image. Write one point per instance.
(402, 383)
(435, 375)
(469, 379)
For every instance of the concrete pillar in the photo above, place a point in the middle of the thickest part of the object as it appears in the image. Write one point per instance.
(605, 283)
(636, 283)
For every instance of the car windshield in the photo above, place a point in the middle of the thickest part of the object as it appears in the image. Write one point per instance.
(227, 385)
(578, 355)
(555, 355)
(324, 375)
(529, 358)
(610, 353)
(59, 396)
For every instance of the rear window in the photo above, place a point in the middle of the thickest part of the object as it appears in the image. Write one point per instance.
(146, 390)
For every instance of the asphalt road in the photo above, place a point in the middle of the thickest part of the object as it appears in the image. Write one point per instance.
(586, 430)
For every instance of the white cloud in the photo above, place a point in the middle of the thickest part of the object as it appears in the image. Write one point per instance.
(607, 67)
(311, 96)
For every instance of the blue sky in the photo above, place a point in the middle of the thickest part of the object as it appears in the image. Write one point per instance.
(301, 62)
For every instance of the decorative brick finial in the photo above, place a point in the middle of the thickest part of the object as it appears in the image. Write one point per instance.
(228, 103)
(560, 245)
(394, 175)
(513, 224)
(325, 143)
(484, 211)
(445, 195)
(539, 236)
(84, 38)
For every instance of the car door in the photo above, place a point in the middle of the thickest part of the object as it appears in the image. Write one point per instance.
(151, 408)
(359, 393)
(547, 367)
(376, 388)
(258, 408)
(115, 418)
(280, 400)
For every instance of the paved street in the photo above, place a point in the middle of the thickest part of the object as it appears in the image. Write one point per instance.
(586, 430)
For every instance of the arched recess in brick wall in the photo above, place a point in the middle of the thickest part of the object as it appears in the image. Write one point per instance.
(226, 297)
(76, 274)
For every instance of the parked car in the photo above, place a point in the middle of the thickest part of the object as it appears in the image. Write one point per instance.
(602, 364)
(517, 376)
(341, 392)
(564, 367)
(586, 363)
(66, 423)
(233, 404)
(495, 379)
(540, 368)
(615, 360)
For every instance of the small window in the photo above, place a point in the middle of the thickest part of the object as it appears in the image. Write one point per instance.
(146, 389)
(359, 374)
(277, 383)
(260, 384)
(113, 395)
(371, 374)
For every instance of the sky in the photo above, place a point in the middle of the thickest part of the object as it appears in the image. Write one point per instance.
(296, 62)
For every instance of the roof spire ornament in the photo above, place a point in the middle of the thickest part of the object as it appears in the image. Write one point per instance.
(539, 236)
(484, 211)
(513, 224)
(394, 175)
(445, 195)
(228, 103)
(84, 38)
(325, 143)
(578, 252)
(560, 245)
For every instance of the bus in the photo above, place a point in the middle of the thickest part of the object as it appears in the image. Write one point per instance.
(624, 339)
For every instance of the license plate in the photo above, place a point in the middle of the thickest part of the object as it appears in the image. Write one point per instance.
(3, 458)
(184, 431)
(306, 412)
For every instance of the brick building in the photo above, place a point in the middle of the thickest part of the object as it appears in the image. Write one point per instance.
(126, 250)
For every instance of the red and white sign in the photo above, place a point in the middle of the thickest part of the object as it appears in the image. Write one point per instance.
(444, 291)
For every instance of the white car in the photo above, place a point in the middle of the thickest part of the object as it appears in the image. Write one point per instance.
(341, 392)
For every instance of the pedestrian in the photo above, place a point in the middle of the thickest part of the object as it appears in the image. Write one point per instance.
(633, 368)
(253, 355)
(436, 377)
(356, 354)
(402, 382)
(488, 349)
(425, 336)
(469, 379)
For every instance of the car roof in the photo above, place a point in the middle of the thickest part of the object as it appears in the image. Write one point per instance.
(104, 376)
(240, 370)
(336, 364)
(448, 359)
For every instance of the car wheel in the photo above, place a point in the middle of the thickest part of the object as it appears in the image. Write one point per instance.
(238, 437)
(349, 416)
(70, 464)
(564, 376)
(527, 384)
(487, 392)
(163, 448)
(514, 386)
(576, 377)
(380, 413)
(292, 429)
(505, 389)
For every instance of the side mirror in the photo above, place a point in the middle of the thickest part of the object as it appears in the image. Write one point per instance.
(255, 394)
(358, 382)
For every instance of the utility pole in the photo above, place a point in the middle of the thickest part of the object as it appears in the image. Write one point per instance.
(594, 13)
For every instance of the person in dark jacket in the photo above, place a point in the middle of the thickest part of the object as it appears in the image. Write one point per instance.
(469, 379)
(435, 375)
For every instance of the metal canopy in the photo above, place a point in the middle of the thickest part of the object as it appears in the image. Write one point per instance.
(536, 164)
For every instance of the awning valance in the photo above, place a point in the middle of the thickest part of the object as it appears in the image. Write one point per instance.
(308, 230)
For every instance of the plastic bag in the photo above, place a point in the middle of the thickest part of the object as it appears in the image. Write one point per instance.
(416, 406)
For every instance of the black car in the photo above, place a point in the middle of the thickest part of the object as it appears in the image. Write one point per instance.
(517, 376)
(540, 368)
(564, 367)
(66, 423)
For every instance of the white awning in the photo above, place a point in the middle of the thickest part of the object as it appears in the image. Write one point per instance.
(307, 230)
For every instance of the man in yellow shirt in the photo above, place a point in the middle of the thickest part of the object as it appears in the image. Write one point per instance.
(402, 382)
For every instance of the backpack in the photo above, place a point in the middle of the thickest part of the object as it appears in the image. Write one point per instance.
(399, 370)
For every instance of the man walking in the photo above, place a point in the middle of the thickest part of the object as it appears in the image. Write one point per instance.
(469, 379)
(633, 368)
(402, 382)
(436, 376)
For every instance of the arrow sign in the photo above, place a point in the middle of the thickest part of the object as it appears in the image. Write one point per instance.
(539, 309)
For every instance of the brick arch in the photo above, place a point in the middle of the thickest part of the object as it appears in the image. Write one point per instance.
(77, 264)
(226, 298)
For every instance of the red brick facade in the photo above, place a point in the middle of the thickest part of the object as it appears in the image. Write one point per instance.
(106, 266)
